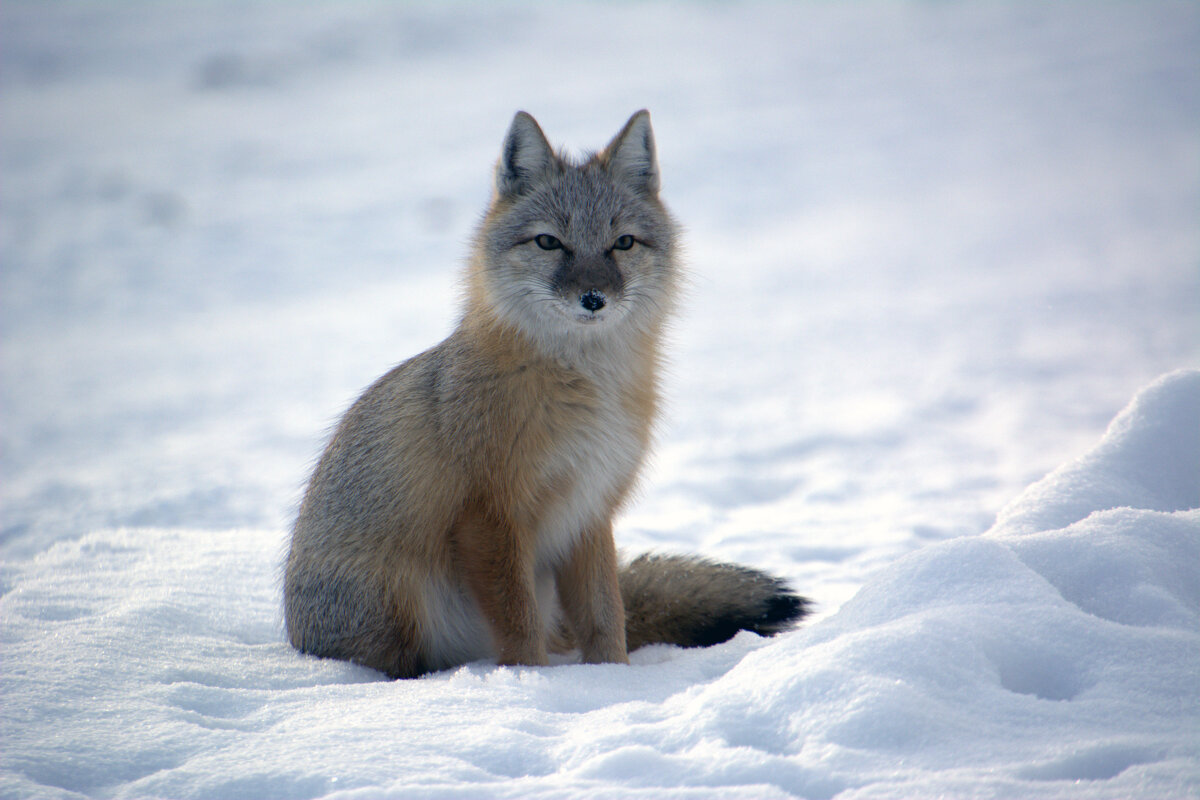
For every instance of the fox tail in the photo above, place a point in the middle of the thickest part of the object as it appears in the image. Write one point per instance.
(694, 602)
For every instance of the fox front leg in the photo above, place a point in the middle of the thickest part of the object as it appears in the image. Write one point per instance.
(591, 597)
(499, 570)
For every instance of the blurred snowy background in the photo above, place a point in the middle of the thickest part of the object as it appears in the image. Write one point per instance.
(933, 248)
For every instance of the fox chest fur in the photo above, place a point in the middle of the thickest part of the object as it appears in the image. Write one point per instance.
(550, 447)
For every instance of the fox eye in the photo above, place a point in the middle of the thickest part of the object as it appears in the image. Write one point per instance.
(623, 242)
(547, 242)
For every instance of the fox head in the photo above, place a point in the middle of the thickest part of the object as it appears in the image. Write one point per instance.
(575, 251)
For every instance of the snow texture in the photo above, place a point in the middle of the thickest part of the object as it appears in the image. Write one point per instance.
(933, 249)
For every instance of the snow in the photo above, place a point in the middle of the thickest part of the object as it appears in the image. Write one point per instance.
(933, 250)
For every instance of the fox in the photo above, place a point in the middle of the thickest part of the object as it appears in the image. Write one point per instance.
(463, 508)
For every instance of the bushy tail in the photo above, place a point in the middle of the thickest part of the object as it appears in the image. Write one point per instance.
(693, 602)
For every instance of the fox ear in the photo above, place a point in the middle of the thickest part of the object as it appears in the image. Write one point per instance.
(525, 157)
(630, 156)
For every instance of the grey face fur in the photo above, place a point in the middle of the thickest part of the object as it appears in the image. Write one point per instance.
(573, 246)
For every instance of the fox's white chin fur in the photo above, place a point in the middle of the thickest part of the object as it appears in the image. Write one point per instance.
(582, 317)
(559, 316)
(608, 321)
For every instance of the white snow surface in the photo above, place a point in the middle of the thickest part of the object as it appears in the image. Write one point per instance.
(933, 249)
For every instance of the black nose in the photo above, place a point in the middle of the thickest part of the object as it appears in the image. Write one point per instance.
(592, 300)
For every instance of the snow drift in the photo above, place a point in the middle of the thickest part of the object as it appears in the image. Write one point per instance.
(1060, 647)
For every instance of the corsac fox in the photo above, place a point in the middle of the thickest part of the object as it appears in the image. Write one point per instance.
(464, 507)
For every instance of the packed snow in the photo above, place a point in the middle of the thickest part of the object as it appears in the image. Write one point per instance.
(933, 250)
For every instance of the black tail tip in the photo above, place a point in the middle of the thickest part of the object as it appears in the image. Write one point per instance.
(783, 611)
(777, 612)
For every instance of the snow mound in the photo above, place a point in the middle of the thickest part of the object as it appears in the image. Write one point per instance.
(1148, 459)
(1054, 656)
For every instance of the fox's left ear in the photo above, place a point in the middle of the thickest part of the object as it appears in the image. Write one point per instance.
(630, 156)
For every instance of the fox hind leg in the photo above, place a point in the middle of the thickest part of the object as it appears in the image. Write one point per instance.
(337, 618)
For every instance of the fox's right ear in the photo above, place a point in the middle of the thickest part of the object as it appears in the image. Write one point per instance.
(525, 158)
